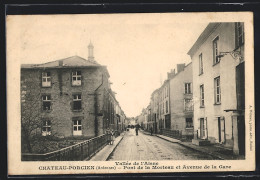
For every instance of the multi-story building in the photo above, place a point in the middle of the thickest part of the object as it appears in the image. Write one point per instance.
(149, 118)
(219, 86)
(120, 124)
(181, 100)
(164, 106)
(155, 110)
(67, 97)
(141, 119)
(146, 119)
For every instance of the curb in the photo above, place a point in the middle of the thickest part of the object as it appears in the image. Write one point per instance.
(180, 143)
(167, 139)
(114, 148)
(211, 154)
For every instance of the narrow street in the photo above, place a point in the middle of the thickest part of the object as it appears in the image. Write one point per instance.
(146, 147)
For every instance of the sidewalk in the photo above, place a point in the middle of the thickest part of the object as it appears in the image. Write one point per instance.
(104, 153)
(161, 136)
(214, 150)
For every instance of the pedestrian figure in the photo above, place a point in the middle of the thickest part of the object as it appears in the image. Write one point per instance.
(151, 130)
(108, 132)
(136, 130)
(112, 137)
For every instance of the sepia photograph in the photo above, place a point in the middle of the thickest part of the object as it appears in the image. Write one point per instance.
(130, 93)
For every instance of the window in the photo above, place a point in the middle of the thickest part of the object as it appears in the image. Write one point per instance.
(77, 102)
(46, 128)
(166, 104)
(187, 88)
(163, 108)
(200, 64)
(239, 34)
(217, 90)
(46, 79)
(216, 50)
(189, 123)
(46, 102)
(76, 78)
(201, 95)
(77, 127)
(188, 105)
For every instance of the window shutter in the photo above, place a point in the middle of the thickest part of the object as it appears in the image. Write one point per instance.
(206, 126)
(236, 35)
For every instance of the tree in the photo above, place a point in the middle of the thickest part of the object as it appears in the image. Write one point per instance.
(31, 121)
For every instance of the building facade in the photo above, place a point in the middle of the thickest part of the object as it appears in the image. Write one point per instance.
(218, 86)
(68, 97)
(164, 106)
(155, 110)
(181, 100)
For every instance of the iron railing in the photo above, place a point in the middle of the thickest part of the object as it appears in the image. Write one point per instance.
(80, 151)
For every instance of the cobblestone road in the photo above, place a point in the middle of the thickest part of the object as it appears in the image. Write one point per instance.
(146, 147)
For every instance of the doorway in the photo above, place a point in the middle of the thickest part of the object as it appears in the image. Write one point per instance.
(221, 130)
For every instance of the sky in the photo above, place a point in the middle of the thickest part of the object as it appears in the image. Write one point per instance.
(138, 49)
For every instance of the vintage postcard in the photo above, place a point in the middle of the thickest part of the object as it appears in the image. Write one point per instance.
(130, 93)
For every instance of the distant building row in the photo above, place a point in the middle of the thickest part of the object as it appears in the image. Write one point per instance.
(204, 100)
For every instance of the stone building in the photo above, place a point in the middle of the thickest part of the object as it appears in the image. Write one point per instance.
(67, 97)
(181, 100)
(219, 86)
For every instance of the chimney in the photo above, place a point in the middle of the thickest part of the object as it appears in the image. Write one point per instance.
(91, 52)
(171, 74)
(180, 67)
(60, 62)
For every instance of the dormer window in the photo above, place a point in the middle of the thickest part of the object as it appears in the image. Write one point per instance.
(46, 79)
(76, 78)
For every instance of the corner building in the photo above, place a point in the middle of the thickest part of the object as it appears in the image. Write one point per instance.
(72, 97)
(219, 86)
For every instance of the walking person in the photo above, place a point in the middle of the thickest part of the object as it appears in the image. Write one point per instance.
(112, 137)
(108, 132)
(151, 130)
(136, 130)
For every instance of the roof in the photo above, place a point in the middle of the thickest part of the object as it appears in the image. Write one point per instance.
(203, 37)
(74, 61)
(180, 71)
